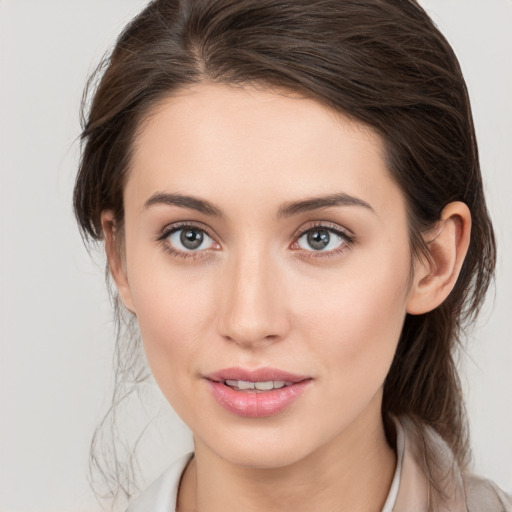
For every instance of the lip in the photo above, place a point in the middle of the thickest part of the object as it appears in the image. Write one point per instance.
(261, 404)
(257, 375)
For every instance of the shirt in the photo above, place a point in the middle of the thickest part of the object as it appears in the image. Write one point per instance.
(447, 490)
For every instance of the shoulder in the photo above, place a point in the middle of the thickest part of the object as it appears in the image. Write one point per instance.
(432, 480)
(482, 494)
(161, 495)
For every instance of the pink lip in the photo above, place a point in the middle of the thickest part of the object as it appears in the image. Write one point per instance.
(251, 404)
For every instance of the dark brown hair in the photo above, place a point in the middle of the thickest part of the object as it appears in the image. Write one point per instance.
(381, 62)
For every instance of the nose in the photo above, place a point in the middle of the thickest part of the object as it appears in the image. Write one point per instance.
(253, 306)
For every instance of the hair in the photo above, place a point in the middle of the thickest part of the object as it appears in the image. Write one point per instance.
(380, 62)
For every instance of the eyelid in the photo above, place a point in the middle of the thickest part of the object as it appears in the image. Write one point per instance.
(169, 229)
(331, 226)
(176, 226)
(346, 234)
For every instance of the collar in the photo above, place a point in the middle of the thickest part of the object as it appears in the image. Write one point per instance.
(431, 478)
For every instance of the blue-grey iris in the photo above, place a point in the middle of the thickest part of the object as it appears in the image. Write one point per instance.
(319, 239)
(191, 238)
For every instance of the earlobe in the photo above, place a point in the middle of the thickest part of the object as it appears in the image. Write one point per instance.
(116, 263)
(434, 278)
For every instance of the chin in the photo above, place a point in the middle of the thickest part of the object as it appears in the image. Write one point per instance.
(258, 457)
(263, 450)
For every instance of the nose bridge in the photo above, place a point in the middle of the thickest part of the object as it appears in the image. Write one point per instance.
(251, 309)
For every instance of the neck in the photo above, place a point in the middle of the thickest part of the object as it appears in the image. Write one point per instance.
(353, 472)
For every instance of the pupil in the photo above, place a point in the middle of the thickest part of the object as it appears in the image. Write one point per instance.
(319, 239)
(191, 238)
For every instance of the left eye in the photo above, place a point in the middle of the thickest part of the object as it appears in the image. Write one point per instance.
(190, 239)
(320, 239)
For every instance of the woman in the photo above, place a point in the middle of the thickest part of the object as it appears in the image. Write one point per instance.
(292, 209)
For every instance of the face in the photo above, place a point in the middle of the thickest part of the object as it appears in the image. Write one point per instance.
(266, 242)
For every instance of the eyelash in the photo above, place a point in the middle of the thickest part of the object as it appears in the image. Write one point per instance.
(169, 230)
(348, 240)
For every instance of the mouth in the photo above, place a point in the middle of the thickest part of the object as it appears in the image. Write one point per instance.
(256, 393)
(257, 387)
(261, 379)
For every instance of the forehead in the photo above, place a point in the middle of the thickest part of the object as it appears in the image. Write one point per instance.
(229, 114)
(226, 141)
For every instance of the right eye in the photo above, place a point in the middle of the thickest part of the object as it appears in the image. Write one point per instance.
(189, 239)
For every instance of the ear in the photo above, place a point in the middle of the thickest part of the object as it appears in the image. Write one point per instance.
(434, 280)
(115, 257)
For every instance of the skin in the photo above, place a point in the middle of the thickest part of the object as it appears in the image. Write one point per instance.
(256, 294)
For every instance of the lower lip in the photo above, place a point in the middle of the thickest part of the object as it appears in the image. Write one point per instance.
(251, 404)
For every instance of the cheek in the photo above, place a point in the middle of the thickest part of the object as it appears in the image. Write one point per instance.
(354, 318)
(173, 307)
(170, 323)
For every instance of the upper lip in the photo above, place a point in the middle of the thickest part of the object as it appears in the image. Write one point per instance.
(255, 375)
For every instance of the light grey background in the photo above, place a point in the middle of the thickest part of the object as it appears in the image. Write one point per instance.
(55, 319)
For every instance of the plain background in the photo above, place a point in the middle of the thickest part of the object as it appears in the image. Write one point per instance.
(55, 317)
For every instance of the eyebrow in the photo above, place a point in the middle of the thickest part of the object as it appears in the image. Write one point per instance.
(286, 210)
(184, 201)
(317, 203)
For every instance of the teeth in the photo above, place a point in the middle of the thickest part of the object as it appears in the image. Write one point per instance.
(260, 386)
(264, 386)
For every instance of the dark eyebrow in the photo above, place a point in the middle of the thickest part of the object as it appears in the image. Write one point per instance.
(316, 203)
(287, 209)
(201, 205)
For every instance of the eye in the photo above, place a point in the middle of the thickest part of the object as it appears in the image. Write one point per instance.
(322, 239)
(189, 239)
